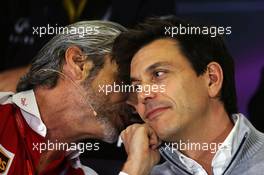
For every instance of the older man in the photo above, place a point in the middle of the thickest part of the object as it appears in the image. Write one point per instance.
(59, 102)
(196, 116)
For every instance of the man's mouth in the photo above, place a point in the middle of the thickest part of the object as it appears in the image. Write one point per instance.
(155, 112)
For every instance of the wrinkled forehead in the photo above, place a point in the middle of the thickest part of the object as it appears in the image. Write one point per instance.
(157, 53)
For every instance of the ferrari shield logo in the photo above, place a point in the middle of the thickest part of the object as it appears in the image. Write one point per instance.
(6, 158)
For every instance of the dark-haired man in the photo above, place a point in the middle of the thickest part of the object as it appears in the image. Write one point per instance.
(196, 117)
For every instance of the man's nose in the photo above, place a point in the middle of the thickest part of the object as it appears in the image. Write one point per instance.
(146, 94)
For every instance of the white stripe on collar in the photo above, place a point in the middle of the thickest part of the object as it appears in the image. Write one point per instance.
(223, 155)
(27, 103)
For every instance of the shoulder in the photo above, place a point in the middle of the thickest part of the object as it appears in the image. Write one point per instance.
(6, 109)
(6, 98)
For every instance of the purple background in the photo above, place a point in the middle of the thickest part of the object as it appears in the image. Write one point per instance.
(245, 43)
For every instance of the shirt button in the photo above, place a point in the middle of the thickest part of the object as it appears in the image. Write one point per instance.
(40, 128)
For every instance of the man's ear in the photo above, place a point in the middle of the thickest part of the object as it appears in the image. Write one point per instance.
(76, 63)
(215, 79)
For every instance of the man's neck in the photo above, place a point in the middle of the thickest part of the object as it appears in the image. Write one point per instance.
(62, 114)
(213, 130)
(66, 118)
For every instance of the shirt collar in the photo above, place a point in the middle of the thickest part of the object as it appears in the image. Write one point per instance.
(224, 154)
(190, 164)
(26, 101)
(231, 140)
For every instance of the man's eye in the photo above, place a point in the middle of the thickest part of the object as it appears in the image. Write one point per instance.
(159, 73)
(136, 86)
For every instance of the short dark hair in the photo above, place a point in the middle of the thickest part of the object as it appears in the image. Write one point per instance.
(199, 49)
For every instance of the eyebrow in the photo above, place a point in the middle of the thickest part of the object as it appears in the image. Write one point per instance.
(132, 79)
(151, 68)
(156, 65)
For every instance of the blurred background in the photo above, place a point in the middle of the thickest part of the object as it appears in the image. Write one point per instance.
(19, 45)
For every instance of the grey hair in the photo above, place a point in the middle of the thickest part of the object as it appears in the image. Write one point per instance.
(95, 42)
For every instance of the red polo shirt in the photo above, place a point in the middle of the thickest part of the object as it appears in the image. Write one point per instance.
(17, 140)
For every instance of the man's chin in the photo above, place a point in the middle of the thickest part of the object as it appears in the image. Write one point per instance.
(161, 133)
